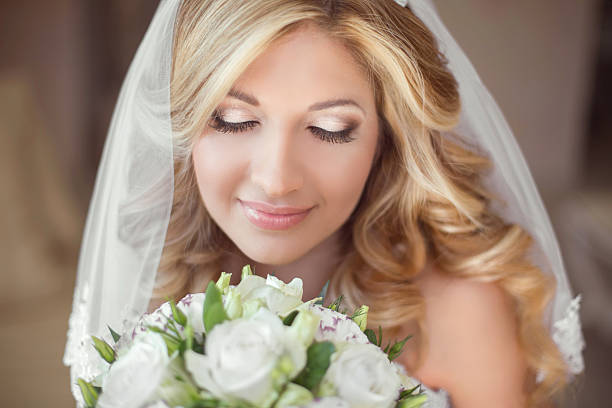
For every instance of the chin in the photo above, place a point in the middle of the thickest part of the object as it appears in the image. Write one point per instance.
(273, 254)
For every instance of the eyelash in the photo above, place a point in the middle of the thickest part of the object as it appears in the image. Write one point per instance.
(342, 136)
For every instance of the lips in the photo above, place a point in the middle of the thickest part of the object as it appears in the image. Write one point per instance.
(272, 209)
(270, 217)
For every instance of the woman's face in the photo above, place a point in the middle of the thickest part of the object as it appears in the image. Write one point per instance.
(284, 162)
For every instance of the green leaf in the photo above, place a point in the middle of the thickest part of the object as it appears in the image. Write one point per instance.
(335, 306)
(173, 343)
(189, 337)
(322, 294)
(198, 347)
(156, 329)
(171, 326)
(214, 313)
(317, 363)
(360, 316)
(413, 401)
(288, 320)
(371, 336)
(89, 392)
(115, 335)
(104, 349)
(178, 314)
(396, 349)
(407, 393)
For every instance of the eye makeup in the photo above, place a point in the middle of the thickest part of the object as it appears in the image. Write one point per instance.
(341, 136)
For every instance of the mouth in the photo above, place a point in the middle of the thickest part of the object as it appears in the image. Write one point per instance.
(269, 217)
(275, 209)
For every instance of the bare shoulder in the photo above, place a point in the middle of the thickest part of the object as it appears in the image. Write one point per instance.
(473, 352)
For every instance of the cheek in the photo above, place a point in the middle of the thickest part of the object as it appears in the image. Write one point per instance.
(342, 179)
(217, 168)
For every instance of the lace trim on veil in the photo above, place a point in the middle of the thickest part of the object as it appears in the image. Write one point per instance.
(567, 334)
(80, 354)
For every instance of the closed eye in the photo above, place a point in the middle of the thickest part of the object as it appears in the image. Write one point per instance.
(341, 136)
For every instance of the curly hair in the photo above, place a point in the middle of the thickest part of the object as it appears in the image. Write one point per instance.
(424, 199)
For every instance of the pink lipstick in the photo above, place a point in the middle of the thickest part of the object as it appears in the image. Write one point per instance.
(270, 217)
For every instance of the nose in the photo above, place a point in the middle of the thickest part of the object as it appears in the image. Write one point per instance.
(275, 167)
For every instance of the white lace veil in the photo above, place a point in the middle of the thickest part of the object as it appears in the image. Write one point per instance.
(130, 208)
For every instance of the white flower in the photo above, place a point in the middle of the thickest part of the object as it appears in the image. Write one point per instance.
(328, 402)
(363, 376)
(336, 327)
(232, 303)
(193, 307)
(272, 293)
(134, 377)
(157, 404)
(157, 318)
(248, 359)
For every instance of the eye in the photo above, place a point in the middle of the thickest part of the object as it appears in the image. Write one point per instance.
(229, 127)
(341, 136)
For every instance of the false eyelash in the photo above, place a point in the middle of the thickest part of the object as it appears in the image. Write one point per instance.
(227, 127)
(342, 136)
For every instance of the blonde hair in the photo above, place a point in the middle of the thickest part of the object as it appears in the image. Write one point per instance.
(423, 199)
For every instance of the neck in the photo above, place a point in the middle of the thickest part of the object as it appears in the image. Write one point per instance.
(315, 268)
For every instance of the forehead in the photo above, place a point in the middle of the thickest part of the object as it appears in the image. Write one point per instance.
(307, 64)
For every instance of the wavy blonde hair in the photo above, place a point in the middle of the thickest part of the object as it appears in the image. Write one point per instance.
(423, 199)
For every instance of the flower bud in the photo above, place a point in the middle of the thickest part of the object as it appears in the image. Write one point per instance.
(361, 317)
(223, 282)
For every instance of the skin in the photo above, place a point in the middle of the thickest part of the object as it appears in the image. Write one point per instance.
(282, 162)
(477, 371)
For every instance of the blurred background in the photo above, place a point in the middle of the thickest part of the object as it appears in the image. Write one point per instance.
(548, 63)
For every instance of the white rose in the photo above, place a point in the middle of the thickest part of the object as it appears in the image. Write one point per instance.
(157, 404)
(363, 376)
(328, 402)
(247, 359)
(336, 327)
(134, 377)
(272, 293)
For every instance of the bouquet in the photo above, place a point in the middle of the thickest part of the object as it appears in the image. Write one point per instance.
(253, 345)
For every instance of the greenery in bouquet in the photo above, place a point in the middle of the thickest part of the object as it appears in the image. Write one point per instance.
(253, 345)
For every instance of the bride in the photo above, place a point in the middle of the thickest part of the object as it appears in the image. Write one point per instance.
(340, 141)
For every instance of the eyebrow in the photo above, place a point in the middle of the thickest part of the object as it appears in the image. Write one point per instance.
(252, 100)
